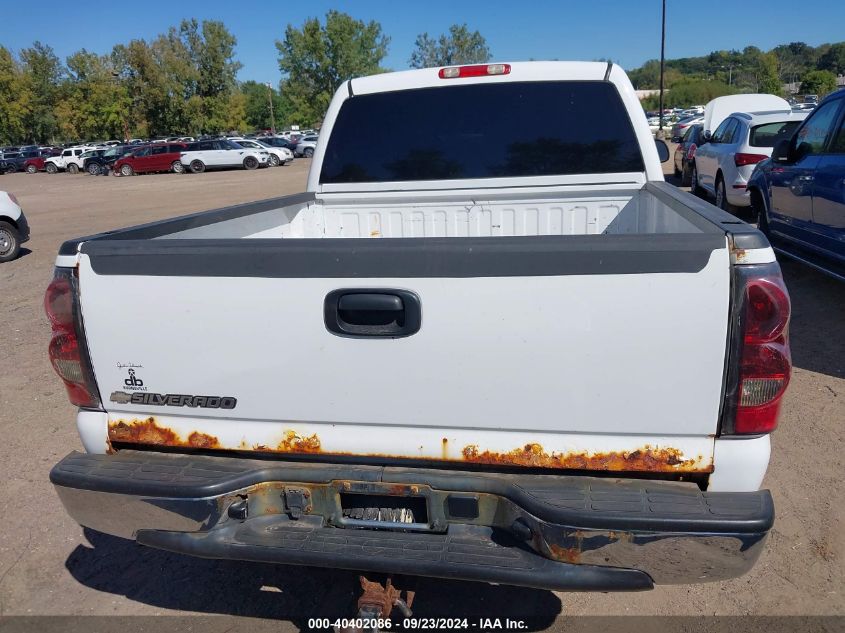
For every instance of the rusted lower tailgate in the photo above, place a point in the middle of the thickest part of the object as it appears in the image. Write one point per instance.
(624, 454)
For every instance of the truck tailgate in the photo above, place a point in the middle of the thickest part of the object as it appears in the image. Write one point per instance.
(606, 358)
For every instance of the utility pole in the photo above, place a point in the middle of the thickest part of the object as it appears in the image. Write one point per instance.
(662, 59)
(730, 68)
(272, 116)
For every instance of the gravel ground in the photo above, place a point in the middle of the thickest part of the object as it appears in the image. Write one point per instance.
(49, 565)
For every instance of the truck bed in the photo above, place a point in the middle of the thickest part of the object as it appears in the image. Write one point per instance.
(580, 212)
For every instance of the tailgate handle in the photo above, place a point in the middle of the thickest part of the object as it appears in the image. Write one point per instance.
(366, 302)
(372, 312)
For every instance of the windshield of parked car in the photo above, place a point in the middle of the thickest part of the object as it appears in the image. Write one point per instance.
(479, 131)
(770, 134)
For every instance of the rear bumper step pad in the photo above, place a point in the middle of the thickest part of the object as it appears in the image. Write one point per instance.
(465, 553)
(586, 502)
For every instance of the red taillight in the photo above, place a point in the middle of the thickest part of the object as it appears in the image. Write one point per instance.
(691, 152)
(13, 198)
(765, 363)
(741, 159)
(69, 360)
(476, 70)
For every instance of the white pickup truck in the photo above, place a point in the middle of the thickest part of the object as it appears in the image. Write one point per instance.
(467, 351)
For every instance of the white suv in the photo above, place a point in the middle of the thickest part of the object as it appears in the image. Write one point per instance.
(69, 160)
(221, 153)
(278, 155)
(723, 164)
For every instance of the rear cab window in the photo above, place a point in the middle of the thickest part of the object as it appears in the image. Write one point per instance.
(481, 131)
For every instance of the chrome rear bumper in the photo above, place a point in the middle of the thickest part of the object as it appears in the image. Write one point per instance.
(545, 531)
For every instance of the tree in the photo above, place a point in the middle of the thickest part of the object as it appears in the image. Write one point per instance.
(689, 92)
(768, 80)
(15, 100)
(258, 106)
(459, 46)
(818, 82)
(834, 59)
(94, 104)
(316, 59)
(647, 77)
(43, 72)
(212, 50)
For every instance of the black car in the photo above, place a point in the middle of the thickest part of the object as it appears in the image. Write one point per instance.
(685, 152)
(11, 160)
(103, 159)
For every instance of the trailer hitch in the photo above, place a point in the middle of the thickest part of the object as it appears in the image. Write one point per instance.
(377, 603)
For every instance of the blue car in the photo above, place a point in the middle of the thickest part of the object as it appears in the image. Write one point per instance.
(799, 194)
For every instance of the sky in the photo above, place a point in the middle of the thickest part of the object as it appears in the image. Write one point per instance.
(626, 31)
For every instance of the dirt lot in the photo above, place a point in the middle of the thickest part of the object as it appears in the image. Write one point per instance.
(49, 565)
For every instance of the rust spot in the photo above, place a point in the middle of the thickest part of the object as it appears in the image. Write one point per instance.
(147, 431)
(293, 443)
(445, 448)
(740, 255)
(647, 458)
(201, 440)
(142, 432)
(566, 554)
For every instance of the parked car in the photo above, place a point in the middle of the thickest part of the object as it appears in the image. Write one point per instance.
(31, 161)
(69, 160)
(306, 146)
(278, 141)
(219, 154)
(156, 157)
(10, 162)
(14, 229)
(799, 195)
(680, 128)
(278, 155)
(724, 162)
(86, 156)
(568, 447)
(103, 161)
(685, 153)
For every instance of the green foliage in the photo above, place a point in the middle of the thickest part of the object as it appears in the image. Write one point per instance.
(459, 46)
(257, 106)
(833, 59)
(16, 99)
(43, 72)
(818, 82)
(768, 80)
(647, 76)
(748, 70)
(92, 104)
(317, 58)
